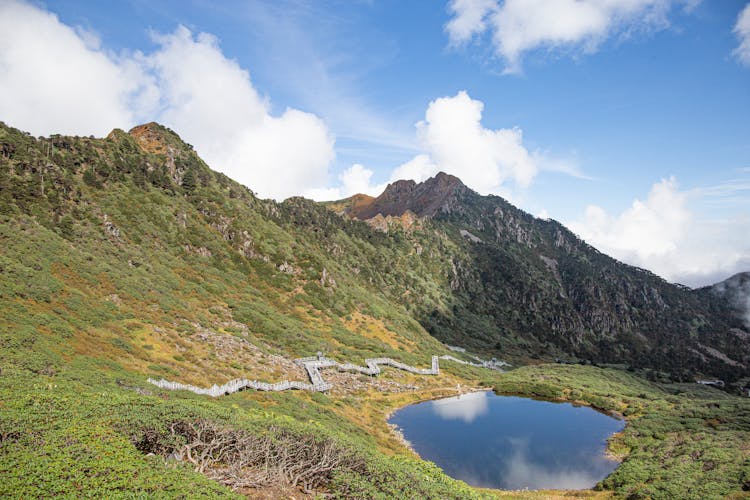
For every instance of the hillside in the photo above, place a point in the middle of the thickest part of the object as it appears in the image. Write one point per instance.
(519, 280)
(127, 257)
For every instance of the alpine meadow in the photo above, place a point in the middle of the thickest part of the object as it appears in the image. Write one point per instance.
(167, 331)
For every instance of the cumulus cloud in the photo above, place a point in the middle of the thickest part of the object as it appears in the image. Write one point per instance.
(453, 140)
(54, 78)
(519, 26)
(420, 168)
(211, 101)
(663, 234)
(357, 179)
(458, 144)
(742, 30)
(58, 79)
(648, 228)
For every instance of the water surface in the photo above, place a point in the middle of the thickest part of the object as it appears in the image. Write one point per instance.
(511, 442)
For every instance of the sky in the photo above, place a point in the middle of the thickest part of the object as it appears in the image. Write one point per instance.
(626, 120)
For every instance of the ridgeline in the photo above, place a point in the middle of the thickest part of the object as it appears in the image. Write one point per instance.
(128, 258)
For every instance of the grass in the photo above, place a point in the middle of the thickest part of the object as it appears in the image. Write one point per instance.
(681, 441)
(189, 288)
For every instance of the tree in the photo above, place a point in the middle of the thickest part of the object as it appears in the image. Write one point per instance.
(189, 182)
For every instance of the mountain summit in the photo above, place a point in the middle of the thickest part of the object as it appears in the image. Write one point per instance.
(512, 272)
(426, 199)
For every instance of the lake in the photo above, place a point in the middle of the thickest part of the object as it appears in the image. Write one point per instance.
(511, 442)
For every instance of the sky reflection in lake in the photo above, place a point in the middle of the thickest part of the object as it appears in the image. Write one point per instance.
(466, 408)
(510, 442)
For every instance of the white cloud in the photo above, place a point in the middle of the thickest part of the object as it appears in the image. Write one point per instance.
(357, 179)
(519, 26)
(54, 78)
(561, 165)
(458, 144)
(420, 168)
(469, 19)
(742, 30)
(57, 79)
(211, 101)
(454, 140)
(647, 229)
(663, 234)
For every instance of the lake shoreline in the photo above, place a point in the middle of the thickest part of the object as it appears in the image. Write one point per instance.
(463, 438)
(396, 430)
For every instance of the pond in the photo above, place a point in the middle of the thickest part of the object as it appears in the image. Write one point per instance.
(510, 442)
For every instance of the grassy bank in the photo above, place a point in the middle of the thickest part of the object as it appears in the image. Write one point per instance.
(108, 434)
(681, 441)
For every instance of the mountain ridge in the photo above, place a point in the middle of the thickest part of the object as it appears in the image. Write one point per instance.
(127, 258)
(424, 199)
(471, 270)
(488, 220)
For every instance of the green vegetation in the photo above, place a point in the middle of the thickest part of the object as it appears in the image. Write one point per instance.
(127, 257)
(681, 441)
(60, 437)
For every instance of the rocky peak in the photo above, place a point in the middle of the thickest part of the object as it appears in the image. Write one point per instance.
(425, 199)
(443, 181)
(176, 154)
(157, 139)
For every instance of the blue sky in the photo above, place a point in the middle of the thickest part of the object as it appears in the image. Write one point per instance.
(630, 123)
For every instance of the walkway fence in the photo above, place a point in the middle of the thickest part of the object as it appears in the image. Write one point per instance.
(313, 365)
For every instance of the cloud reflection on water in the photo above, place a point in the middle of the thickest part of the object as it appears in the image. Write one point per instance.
(520, 471)
(512, 443)
(466, 407)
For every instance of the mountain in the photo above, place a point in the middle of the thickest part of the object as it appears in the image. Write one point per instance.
(522, 280)
(733, 292)
(471, 270)
(425, 199)
(127, 258)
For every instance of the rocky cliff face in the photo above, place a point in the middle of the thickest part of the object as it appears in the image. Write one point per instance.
(517, 276)
(427, 199)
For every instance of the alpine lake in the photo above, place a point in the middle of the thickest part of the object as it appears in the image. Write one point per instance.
(510, 442)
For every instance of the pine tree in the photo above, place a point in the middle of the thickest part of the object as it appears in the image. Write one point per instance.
(189, 182)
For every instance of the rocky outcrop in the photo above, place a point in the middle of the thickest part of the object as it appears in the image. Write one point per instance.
(438, 194)
(110, 227)
(471, 237)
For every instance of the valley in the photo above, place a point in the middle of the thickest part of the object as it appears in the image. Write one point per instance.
(127, 258)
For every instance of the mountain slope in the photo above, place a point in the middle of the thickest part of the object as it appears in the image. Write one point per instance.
(126, 258)
(519, 276)
(472, 270)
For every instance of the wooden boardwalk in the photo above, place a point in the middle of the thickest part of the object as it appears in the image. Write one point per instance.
(313, 365)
